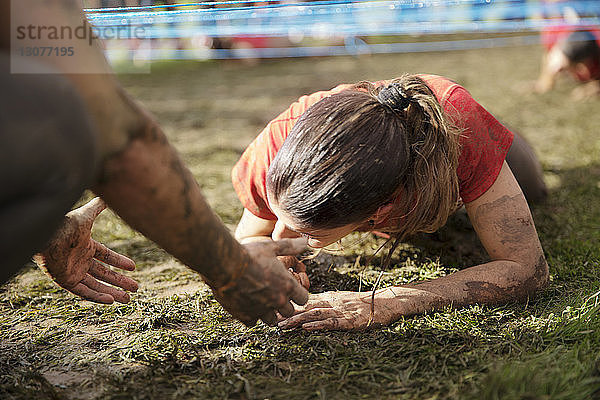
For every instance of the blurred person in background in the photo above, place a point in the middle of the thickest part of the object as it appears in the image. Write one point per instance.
(574, 52)
(572, 48)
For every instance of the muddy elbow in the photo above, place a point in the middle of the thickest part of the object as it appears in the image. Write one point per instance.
(540, 277)
(542, 272)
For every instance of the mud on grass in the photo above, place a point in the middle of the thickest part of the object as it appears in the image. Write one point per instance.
(174, 341)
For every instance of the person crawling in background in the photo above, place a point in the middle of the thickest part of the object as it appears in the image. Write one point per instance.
(575, 52)
(399, 157)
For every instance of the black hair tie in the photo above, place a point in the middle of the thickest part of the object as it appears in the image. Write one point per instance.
(393, 97)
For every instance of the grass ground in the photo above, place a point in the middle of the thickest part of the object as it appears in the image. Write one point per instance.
(173, 341)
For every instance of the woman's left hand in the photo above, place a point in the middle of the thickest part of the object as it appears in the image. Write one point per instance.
(344, 311)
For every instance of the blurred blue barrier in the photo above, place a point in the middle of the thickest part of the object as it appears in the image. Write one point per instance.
(334, 18)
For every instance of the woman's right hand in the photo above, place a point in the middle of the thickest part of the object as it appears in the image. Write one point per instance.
(297, 269)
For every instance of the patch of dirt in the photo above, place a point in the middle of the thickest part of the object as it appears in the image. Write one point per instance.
(177, 288)
(170, 278)
(63, 379)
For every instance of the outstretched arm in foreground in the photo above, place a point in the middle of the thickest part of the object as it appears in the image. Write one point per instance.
(143, 179)
(517, 270)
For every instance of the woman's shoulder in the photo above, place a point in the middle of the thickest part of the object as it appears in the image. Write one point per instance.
(444, 89)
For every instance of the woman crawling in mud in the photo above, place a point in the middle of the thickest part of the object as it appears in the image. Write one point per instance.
(396, 156)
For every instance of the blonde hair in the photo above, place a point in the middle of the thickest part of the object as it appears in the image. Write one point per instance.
(431, 188)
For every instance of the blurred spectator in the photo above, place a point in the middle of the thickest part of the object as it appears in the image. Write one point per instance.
(576, 52)
(571, 48)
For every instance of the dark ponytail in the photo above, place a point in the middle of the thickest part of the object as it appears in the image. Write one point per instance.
(356, 150)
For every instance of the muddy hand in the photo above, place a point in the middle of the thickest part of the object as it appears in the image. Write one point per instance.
(348, 311)
(297, 269)
(265, 287)
(79, 264)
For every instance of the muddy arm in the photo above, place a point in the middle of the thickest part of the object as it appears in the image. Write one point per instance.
(148, 185)
(518, 268)
(141, 175)
(144, 180)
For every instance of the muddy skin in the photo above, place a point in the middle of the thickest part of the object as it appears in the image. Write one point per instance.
(385, 313)
(248, 281)
(540, 279)
(512, 233)
(501, 280)
(518, 231)
(488, 292)
(178, 170)
(297, 269)
(72, 257)
(494, 294)
(352, 310)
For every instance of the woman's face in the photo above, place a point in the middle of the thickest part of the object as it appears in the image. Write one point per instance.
(317, 238)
